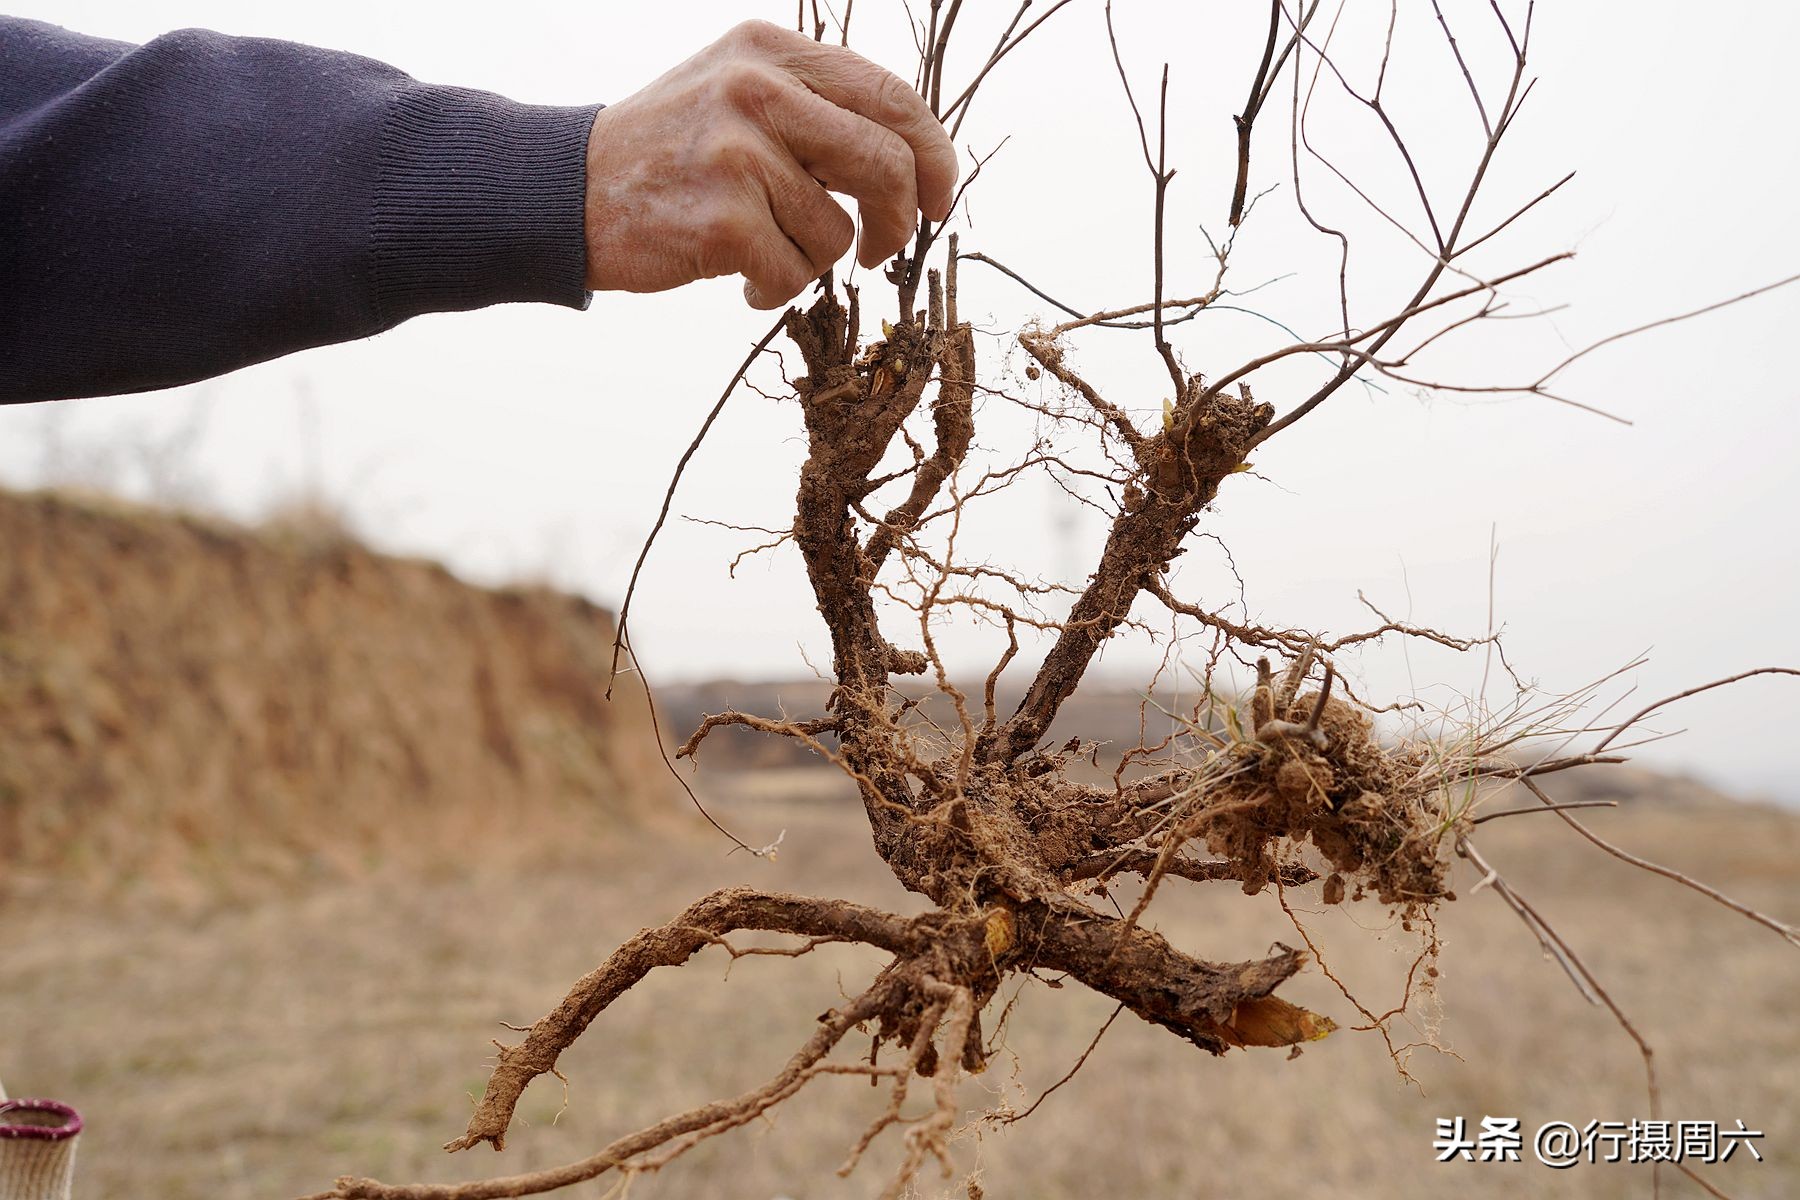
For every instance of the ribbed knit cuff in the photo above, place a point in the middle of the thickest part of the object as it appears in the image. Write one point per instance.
(479, 201)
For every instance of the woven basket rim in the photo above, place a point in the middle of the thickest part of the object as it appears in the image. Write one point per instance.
(71, 1121)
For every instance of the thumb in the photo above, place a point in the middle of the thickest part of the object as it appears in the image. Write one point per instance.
(759, 299)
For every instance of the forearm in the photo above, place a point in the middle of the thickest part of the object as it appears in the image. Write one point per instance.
(177, 210)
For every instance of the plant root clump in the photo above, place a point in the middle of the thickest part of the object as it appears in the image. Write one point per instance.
(1362, 805)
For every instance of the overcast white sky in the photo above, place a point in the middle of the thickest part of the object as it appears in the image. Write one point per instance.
(536, 442)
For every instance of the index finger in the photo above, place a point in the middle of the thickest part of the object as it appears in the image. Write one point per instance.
(850, 81)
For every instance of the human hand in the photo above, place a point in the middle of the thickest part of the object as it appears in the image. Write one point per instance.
(721, 167)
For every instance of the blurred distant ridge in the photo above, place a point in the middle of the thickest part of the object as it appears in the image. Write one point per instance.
(180, 695)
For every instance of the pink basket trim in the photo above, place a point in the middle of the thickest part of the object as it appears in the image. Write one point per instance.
(70, 1126)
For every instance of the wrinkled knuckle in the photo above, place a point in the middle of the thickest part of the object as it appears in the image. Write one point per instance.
(755, 35)
(746, 86)
(896, 104)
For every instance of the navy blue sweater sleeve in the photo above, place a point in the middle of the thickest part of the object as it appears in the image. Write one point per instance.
(177, 210)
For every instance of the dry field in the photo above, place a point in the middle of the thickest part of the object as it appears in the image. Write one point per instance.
(257, 1048)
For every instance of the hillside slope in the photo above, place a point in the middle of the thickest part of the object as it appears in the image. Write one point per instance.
(179, 694)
